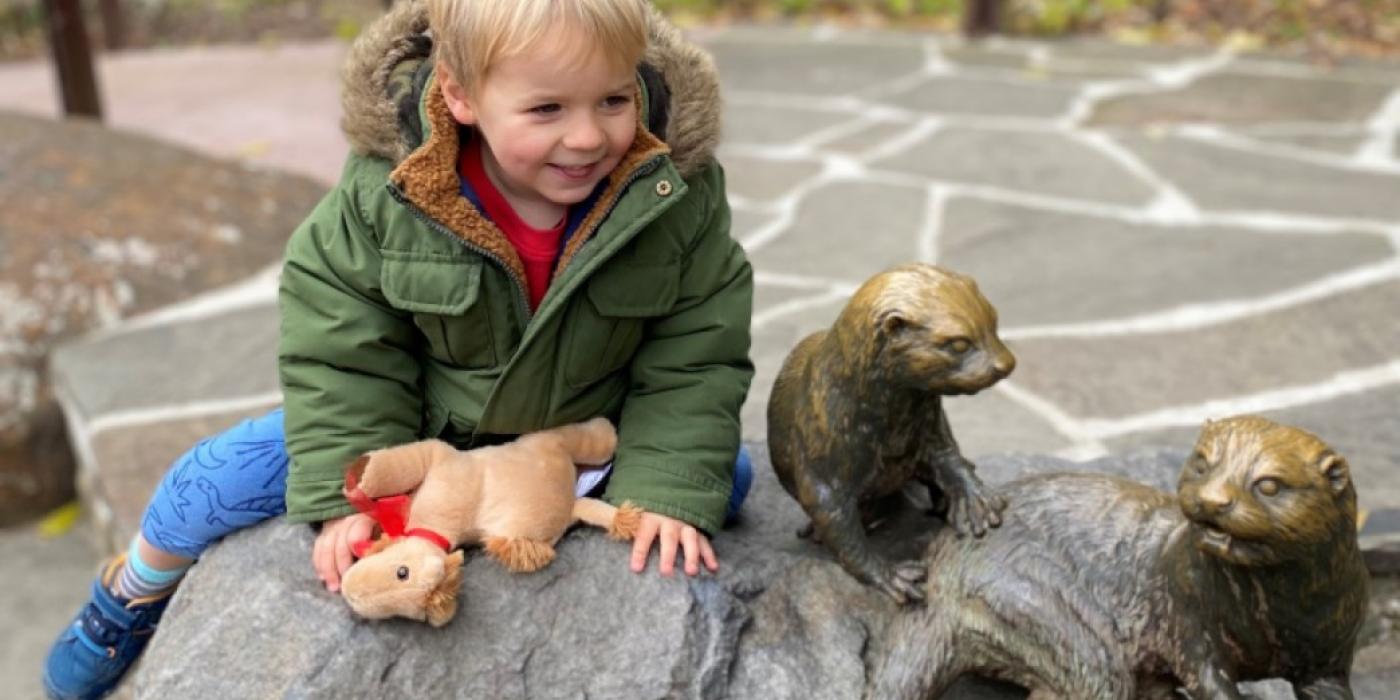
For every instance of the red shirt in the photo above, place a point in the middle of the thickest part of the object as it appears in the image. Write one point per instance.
(537, 247)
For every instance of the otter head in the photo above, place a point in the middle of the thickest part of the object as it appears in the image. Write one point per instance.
(1260, 493)
(933, 331)
(404, 577)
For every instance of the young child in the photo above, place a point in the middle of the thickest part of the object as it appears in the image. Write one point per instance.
(531, 231)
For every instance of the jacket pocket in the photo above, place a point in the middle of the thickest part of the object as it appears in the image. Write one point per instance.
(609, 324)
(444, 296)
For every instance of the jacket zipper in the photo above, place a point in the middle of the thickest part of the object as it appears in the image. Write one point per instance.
(642, 171)
(522, 305)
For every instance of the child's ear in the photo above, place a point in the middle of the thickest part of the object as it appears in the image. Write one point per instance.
(458, 101)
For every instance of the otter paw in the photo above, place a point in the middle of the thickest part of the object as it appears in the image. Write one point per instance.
(975, 511)
(903, 581)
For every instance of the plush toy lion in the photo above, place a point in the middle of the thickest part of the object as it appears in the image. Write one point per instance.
(515, 499)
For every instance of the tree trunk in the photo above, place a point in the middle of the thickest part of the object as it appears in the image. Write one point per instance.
(72, 57)
(981, 17)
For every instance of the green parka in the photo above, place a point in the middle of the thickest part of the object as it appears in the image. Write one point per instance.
(404, 313)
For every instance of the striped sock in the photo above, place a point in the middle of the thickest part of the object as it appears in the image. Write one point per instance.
(139, 580)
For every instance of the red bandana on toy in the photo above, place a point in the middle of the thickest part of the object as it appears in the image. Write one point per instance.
(391, 512)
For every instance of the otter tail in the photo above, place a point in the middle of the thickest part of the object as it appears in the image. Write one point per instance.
(591, 442)
(922, 659)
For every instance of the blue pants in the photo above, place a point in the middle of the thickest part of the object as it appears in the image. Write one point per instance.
(238, 478)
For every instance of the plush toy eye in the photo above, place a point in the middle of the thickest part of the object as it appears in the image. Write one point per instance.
(1268, 487)
(403, 573)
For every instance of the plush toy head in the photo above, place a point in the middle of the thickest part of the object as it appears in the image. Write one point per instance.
(405, 577)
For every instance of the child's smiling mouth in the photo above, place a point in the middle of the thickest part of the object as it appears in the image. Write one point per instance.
(574, 172)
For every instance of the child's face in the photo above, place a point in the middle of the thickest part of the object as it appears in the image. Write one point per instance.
(554, 125)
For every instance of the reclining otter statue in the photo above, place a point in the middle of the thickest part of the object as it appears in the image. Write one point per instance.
(1095, 587)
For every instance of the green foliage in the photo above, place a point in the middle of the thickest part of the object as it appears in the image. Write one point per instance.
(701, 7)
(1370, 25)
(939, 7)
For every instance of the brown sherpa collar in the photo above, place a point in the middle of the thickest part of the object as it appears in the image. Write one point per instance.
(375, 70)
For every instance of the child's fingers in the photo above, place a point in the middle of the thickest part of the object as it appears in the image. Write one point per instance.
(691, 546)
(641, 544)
(344, 557)
(669, 538)
(335, 539)
(707, 554)
(321, 557)
(361, 529)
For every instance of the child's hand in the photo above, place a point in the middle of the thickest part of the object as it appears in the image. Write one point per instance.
(331, 555)
(671, 531)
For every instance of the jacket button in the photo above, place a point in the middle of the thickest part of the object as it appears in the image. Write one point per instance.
(664, 188)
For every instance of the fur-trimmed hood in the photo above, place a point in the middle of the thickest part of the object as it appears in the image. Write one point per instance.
(389, 64)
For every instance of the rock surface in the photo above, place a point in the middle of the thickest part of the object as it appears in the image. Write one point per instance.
(96, 226)
(780, 619)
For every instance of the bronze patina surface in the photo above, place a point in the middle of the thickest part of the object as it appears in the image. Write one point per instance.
(1099, 587)
(855, 413)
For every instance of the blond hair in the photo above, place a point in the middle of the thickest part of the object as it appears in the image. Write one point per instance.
(470, 36)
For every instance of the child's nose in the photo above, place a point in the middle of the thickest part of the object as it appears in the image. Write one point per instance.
(584, 135)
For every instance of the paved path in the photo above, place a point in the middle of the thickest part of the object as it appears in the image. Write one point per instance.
(1169, 235)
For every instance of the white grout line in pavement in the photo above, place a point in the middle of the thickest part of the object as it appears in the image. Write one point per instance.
(178, 411)
(932, 224)
(1384, 129)
(1196, 316)
(1340, 385)
(1087, 435)
(258, 290)
(762, 318)
(1216, 136)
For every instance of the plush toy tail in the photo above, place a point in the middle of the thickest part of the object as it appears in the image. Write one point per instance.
(590, 442)
(621, 523)
(519, 555)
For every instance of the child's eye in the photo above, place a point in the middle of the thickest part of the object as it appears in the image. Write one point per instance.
(617, 101)
(550, 108)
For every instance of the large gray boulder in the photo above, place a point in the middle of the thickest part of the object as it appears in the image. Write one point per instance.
(780, 619)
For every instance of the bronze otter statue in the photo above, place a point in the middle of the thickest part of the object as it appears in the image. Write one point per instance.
(855, 413)
(1099, 587)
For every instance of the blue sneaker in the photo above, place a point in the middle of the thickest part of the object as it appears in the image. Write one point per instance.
(94, 652)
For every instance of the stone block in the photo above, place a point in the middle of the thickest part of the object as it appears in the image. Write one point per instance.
(96, 226)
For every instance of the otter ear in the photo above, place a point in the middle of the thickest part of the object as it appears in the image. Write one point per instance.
(892, 322)
(1335, 469)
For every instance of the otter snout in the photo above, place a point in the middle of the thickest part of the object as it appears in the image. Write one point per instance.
(1004, 364)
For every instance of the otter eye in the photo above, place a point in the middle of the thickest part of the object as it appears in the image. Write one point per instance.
(402, 573)
(1199, 463)
(1267, 487)
(958, 346)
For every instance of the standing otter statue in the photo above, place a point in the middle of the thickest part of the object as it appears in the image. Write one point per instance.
(1099, 587)
(855, 413)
